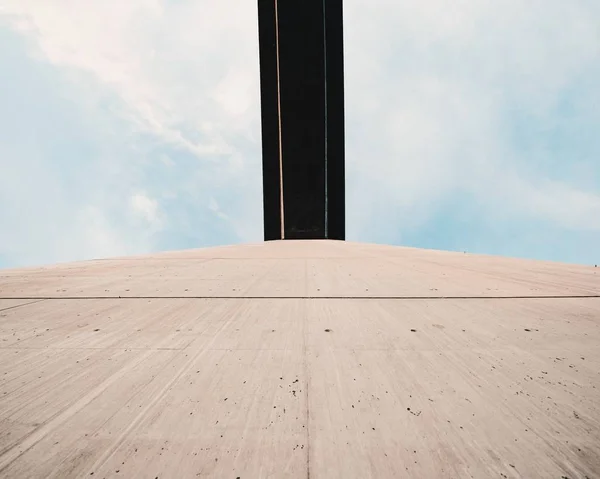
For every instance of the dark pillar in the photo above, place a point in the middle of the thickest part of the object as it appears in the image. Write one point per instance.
(302, 100)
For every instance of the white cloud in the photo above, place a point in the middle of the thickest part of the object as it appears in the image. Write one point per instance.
(145, 207)
(433, 91)
(216, 209)
(167, 161)
(557, 202)
(170, 92)
(172, 65)
(98, 237)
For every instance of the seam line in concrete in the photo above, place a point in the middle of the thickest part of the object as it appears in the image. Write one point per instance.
(24, 304)
(429, 298)
(306, 372)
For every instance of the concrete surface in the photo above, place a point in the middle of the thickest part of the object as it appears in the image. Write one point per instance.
(298, 359)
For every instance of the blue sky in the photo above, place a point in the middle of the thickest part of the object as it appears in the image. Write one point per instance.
(134, 127)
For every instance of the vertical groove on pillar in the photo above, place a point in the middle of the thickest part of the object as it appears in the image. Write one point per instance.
(302, 102)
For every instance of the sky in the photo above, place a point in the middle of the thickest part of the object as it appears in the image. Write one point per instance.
(134, 127)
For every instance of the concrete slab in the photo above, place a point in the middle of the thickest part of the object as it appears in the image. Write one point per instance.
(300, 269)
(297, 371)
(6, 304)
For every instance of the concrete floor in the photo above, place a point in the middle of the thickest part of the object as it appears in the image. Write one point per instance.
(298, 359)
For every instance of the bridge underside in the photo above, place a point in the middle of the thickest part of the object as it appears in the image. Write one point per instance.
(302, 98)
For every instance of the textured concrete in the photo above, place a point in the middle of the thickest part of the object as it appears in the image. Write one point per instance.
(290, 359)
